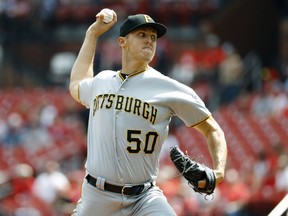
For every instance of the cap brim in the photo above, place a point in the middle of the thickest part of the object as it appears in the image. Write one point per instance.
(160, 28)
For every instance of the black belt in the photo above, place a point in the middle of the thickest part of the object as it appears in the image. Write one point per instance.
(124, 190)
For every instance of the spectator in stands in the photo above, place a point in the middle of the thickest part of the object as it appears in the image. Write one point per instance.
(51, 185)
(230, 73)
(36, 136)
(281, 183)
(260, 168)
(262, 104)
(280, 99)
(272, 101)
(264, 174)
(184, 70)
(14, 135)
(47, 115)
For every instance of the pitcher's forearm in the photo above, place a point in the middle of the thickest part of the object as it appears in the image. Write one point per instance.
(83, 66)
(216, 144)
(218, 151)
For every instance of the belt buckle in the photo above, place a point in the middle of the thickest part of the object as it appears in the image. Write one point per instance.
(123, 189)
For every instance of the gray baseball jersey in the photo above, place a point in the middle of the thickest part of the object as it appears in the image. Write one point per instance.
(128, 122)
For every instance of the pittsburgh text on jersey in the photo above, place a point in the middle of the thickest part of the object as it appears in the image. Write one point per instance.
(127, 104)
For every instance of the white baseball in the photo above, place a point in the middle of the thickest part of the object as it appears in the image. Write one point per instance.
(108, 15)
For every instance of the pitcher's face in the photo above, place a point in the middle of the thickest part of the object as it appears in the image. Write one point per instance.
(141, 43)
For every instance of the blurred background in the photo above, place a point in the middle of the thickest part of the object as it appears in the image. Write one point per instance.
(233, 53)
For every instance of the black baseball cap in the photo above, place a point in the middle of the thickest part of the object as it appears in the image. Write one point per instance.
(141, 20)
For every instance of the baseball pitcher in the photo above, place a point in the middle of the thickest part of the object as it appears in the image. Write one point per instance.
(130, 112)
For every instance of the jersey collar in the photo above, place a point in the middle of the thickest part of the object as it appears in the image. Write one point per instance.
(130, 75)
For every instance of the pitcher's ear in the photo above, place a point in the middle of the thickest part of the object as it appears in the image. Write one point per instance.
(121, 41)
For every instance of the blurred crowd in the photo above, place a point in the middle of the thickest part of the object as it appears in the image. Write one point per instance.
(41, 134)
(42, 131)
(36, 18)
(43, 148)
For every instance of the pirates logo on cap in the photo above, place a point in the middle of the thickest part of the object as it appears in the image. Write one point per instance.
(148, 19)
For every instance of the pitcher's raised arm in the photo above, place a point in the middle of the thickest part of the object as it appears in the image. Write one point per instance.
(83, 66)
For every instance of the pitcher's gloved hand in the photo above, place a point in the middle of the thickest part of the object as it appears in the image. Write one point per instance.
(193, 171)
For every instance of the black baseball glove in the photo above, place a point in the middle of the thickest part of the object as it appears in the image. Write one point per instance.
(193, 171)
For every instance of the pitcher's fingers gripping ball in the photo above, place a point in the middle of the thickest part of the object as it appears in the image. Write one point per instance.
(193, 171)
(108, 15)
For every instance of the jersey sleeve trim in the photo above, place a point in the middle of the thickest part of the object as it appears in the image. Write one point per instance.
(79, 95)
(78, 92)
(201, 121)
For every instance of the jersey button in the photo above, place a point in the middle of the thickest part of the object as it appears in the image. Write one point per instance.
(122, 89)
